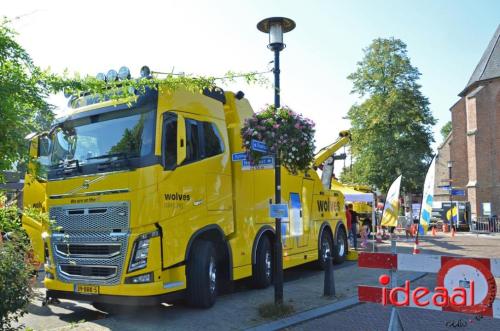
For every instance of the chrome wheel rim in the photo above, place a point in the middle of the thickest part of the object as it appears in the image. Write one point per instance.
(212, 274)
(341, 244)
(326, 250)
(268, 264)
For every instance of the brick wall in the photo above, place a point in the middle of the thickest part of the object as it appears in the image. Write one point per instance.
(474, 146)
(458, 146)
(487, 136)
(441, 171)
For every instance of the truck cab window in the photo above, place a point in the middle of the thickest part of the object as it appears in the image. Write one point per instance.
(192, 141)
(212, 139)
(170, 140)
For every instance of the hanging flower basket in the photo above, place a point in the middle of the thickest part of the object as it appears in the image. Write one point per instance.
(284, 131)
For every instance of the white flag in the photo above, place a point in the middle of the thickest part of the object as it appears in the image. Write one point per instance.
(427, 198)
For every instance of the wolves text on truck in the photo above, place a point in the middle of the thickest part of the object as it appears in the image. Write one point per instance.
(146, 202)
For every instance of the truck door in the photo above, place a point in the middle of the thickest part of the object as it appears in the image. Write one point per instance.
(34, 193)
(181, 184)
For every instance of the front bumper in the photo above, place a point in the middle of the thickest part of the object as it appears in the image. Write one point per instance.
(124, 294)
(150, 300)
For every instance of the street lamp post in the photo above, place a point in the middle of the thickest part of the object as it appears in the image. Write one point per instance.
(450, 165)
(276, 27)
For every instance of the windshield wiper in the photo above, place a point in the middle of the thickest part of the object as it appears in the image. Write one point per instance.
(121, 160)
(68, 166)
(109, 156)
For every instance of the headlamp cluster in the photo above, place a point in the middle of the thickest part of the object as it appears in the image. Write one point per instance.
(122, 74)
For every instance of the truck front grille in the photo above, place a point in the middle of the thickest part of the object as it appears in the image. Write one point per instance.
(88, 250)
(89, 242)
(91, 217)
(83, 271)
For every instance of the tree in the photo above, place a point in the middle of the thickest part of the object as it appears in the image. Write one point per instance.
(23, 108)
(391, 128)
(446, 129)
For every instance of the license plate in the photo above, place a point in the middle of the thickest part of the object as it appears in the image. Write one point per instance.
(87, 289)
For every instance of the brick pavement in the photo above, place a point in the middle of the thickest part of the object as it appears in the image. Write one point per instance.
(375, 317)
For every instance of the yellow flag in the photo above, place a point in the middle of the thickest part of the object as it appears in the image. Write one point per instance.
(391, 207)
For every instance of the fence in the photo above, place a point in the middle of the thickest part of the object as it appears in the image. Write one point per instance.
(485, 224)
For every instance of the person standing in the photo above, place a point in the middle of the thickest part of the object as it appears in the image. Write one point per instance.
(365, 232)
(354, 223)
(349, 224)
(408, 223)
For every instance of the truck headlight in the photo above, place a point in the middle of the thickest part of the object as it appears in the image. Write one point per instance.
(141, 279)
(139, 257)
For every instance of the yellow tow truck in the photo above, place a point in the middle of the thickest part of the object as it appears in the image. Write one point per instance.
(146, 203)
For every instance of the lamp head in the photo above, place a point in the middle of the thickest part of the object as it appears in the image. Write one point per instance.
(276, 27)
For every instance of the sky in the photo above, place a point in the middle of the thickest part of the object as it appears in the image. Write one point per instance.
(445, 40)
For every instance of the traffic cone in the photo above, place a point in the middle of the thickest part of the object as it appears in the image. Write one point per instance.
(415, 247)
(433, 231)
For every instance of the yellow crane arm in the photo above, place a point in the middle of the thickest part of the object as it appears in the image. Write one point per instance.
(326, 152)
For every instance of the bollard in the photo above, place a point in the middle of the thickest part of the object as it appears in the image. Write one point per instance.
(329, 288)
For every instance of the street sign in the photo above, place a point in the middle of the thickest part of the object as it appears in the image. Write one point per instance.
(259, 146)
(445, 187)
(278, 210)
(458, 192)
(265, 162)
(239, 156)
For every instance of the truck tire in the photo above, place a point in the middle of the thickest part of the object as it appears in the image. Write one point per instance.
(202, 275)
(325, 248)
(262, 270)
(340, 246)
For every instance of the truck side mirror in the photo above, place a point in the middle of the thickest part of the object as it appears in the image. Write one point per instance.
(181, 139)
(43, 146)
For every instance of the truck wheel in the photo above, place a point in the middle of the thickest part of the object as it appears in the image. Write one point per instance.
(340, 247)
(325, 248)
(262, 270)
(202, 275)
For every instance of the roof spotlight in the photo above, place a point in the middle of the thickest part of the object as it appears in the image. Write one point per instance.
(123, 73)
(101, 76)
(145, 72)
(112, 75)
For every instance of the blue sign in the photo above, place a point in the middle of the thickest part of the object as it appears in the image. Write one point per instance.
(445, 187)
(265, 162)
(239, 156)
(458, 192)
(278, 210)
(259, 146)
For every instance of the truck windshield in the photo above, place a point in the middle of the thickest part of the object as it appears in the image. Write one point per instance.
(103, 138)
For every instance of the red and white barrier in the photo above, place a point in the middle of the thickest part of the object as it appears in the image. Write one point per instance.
(475, 275)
